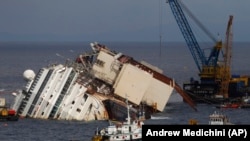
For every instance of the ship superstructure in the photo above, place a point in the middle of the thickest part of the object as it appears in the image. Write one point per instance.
(94, 87)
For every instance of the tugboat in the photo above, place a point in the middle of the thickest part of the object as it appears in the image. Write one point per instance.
(129, 130)
(219, 119)
(7, 114)
(216, 118)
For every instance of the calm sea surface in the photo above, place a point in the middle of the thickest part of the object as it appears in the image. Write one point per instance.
(173, 58)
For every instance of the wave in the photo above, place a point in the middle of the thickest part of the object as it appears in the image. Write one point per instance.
(159, 117)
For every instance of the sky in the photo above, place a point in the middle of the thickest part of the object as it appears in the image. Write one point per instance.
(116, 20)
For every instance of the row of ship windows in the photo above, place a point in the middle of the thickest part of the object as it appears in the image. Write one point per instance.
(73, 102)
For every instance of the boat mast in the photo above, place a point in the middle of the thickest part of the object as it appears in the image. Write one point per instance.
(128, 118)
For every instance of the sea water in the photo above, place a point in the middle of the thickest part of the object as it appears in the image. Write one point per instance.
(173, 58)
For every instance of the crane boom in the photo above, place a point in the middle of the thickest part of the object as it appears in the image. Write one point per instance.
(228, 42)
(226, 70)
(205, 64)
(187, 33)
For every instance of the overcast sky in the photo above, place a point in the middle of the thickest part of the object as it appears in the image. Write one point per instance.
(115, 20)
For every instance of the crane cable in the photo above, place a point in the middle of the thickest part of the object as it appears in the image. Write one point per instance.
(191, 15)
(160, 30)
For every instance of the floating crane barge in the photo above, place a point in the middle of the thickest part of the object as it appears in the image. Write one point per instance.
(216, 84)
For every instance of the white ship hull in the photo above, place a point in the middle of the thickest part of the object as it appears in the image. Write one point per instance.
(76, 90)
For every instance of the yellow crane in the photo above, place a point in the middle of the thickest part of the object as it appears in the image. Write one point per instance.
(226, 67)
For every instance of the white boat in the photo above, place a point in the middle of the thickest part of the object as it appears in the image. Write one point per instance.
(124, 131)
(93, 87)
(218, 118)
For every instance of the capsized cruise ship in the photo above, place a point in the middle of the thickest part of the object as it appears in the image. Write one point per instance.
(95, 86)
